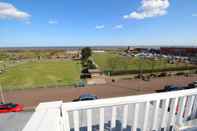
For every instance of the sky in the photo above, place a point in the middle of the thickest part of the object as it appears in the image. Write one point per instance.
(98, 22)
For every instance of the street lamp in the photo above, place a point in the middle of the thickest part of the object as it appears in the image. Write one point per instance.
(2, 96)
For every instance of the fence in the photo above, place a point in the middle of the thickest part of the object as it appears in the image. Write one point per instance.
(137, 113)
(133, 113)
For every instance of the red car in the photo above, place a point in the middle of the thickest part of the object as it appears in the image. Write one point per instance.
(10, 107)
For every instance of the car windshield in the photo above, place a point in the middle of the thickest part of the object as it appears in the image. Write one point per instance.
(6, 106)
(12, 106)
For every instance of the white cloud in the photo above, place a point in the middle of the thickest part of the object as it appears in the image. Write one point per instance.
(100, 27)
(53, 22)
(149, 8)
(8, 11)
(194, 15)
(118, 26)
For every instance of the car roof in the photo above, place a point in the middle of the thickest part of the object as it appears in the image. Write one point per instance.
(87, 95)
(6, 104)
(171, 86)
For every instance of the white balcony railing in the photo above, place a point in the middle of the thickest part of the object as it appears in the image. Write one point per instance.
(144, 112)
(136, 113)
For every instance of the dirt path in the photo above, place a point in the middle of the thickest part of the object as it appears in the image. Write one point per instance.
(31, 97)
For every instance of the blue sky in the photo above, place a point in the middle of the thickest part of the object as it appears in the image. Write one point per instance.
(97, 22)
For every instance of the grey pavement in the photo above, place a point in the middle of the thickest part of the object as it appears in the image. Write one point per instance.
(14, 121)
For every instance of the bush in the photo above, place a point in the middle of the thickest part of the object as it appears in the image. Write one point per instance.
(153, 75)
(162, 74)
(85, 76)
(180, 73)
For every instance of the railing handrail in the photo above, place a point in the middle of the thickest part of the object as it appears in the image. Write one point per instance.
(108, 102)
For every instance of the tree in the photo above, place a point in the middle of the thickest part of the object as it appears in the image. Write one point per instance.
(153, 64)
(117, 63)
(4, 56)
(86, 53)
(38, 55)
(124, 62)
(139, 63)
(90, 64)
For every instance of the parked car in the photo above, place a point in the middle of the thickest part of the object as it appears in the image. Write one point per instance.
(86, 97)
(169, 88)
(10, 107)
(185, 87)
(192, 85)
(80, 84)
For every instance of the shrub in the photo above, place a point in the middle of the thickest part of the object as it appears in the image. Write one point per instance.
(180, 73)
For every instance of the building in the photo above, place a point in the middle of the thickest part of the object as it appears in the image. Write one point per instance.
(179, 51)
(98, 51)
(135, 50)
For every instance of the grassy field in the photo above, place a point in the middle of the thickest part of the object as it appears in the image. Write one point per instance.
(43, 73)
(105, 62)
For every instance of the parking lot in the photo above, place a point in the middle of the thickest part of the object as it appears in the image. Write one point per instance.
(14, 121)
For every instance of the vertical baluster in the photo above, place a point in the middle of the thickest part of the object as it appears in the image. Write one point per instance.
(76, 120)
(113, 121)
(89, 119)
(101, 125)
(146, 116)
(155, 118)
(164, 116)
(190, 102)
(135, 118)
(181, 110)
(66, 122)
(173, 110)
(194, 108)
(125, 115)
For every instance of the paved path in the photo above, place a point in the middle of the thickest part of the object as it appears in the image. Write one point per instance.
(14, 121)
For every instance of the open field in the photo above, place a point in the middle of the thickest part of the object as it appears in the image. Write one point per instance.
(107, 61)
(40, 74)
(31, 97)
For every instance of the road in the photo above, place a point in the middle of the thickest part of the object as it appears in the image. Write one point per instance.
(14, 121)
(30, 98)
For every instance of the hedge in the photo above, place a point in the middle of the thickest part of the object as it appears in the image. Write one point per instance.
(126, 72)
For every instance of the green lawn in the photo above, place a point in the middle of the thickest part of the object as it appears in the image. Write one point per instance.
(43, 73)
(105, 61)
(102, 58)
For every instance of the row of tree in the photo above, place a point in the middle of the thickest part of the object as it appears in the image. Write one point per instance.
(124, 64)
